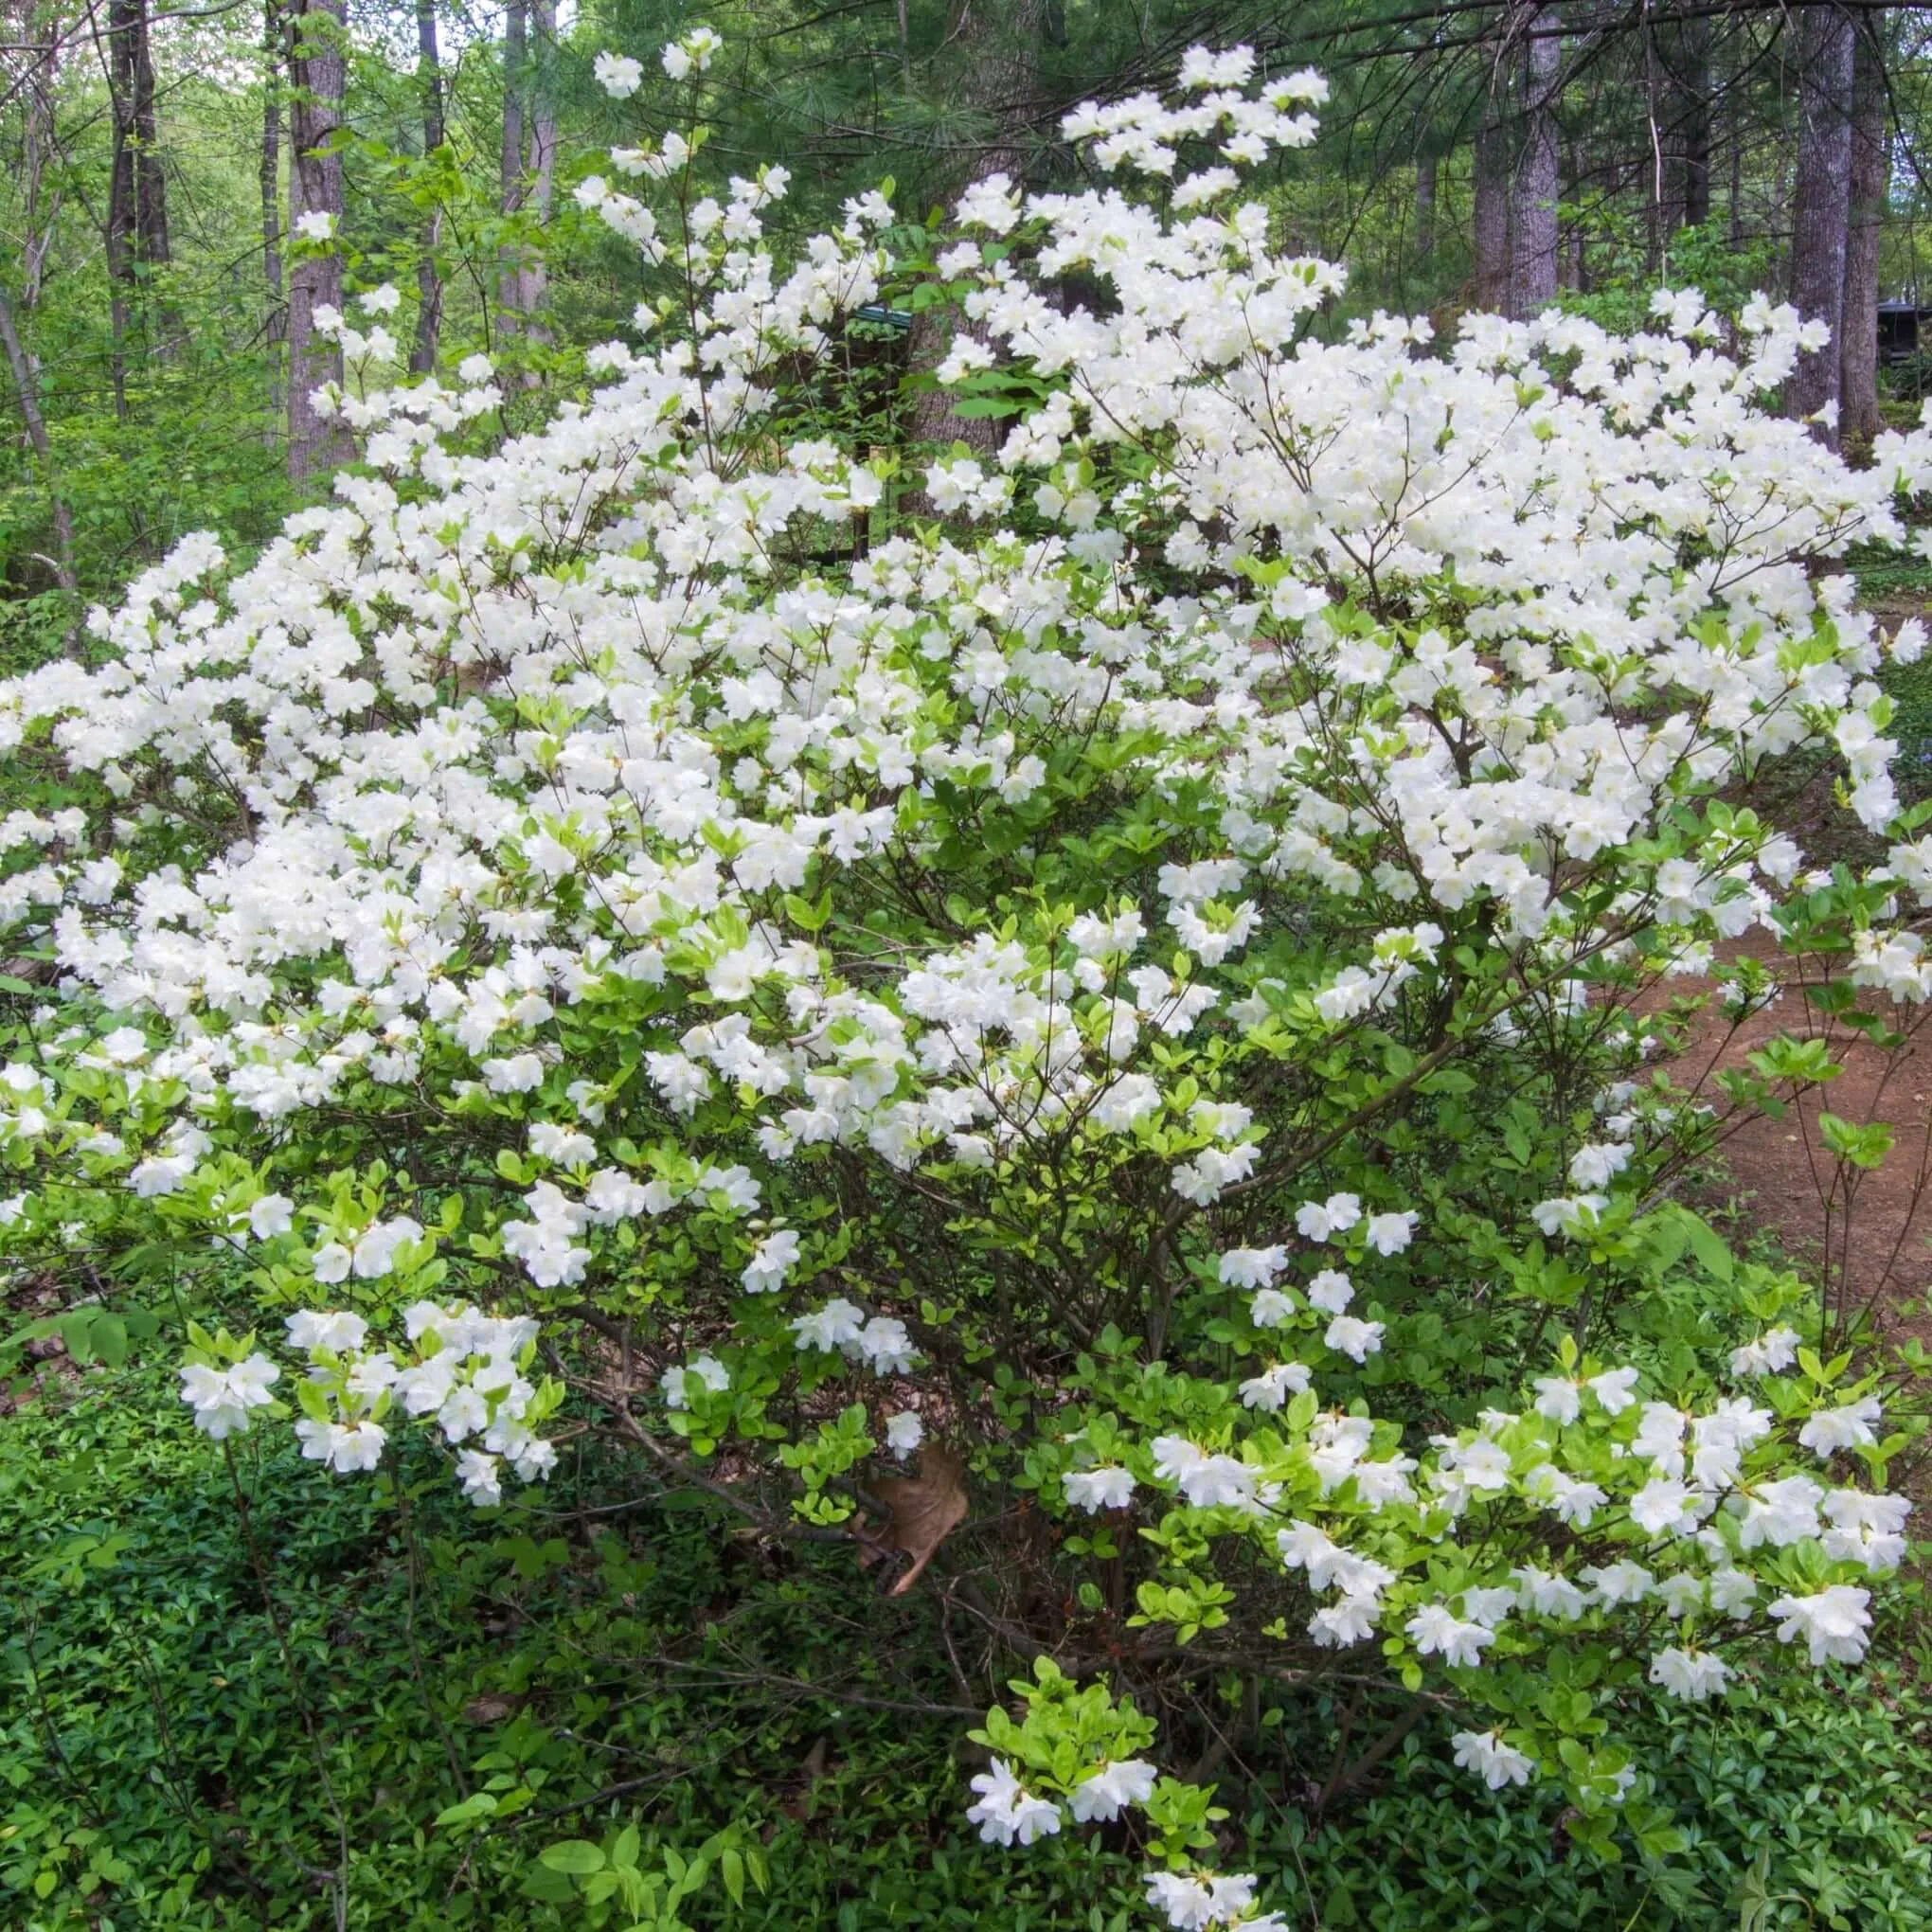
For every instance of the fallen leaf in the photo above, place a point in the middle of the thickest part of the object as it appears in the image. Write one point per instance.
(492, 1707)
(817, 1763)
(926, 1509)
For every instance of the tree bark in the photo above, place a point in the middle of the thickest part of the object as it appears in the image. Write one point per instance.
(510, 166)
(139, 190)
(997, 45)
(37, 144)
(317, 68)
(428, 278)
(1822, 220)
(274, 325)
(27, 388)
(1734, 141)
(1870, 181)
(1425, 209)
(1681, 53)
(540, 150)
(1693, 120)
(530, 155)
(1572, 270)
(1490, 191)
(1534, 226)
(1491, 220)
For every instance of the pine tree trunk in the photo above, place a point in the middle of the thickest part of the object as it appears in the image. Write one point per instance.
(1823, 211)
(1680, 62)
(275, 324)
(428, 280)
(1870, 181)
(1490, 219)
(317, 68)
(1489, 215)
(1693, 127)
(1533, 225)
(1425, 209)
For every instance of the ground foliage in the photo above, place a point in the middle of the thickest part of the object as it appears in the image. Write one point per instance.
(154, 1770)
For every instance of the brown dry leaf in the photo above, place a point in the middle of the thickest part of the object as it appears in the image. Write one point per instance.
(818, 1762)
(492, 1707)
(926, 1509)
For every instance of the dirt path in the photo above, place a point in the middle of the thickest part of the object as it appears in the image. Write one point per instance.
(1877, 1228)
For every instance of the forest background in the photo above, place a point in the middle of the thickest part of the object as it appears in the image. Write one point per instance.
(162, 169)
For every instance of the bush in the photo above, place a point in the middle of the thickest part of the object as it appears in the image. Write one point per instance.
(1133, 992)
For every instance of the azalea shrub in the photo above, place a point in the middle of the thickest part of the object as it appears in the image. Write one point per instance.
(1110, 1053)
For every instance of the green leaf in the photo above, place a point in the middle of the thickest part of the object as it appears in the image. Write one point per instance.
(807, 916)
(479, 1806)
(578, 1856)
(111, 1339)
(1708, 1246)
(988, 407)
(1862, 1146)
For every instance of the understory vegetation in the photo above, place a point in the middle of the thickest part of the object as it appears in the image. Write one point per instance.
(608, 1663)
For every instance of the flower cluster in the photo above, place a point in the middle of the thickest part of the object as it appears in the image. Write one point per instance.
(463, 1370)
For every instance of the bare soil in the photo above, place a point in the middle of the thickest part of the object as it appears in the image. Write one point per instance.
(1873, 1227)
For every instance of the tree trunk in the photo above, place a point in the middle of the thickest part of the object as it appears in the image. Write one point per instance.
(1657, 219)
(1679, 57)
(1734, 123)
(428, 278)
(1425, 209)
(997, 45)
(27, 388)
(139, 190)
(1490, 196)
(1571, 270)
(1822, 216)
(511, 168)
(1870, 181)
(37, 145)
(117, 237)
(317, 68)
(1688, 154)
(1533, 247)
(529, 154)
(274, 325)
(540, 151)
(151, 187)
